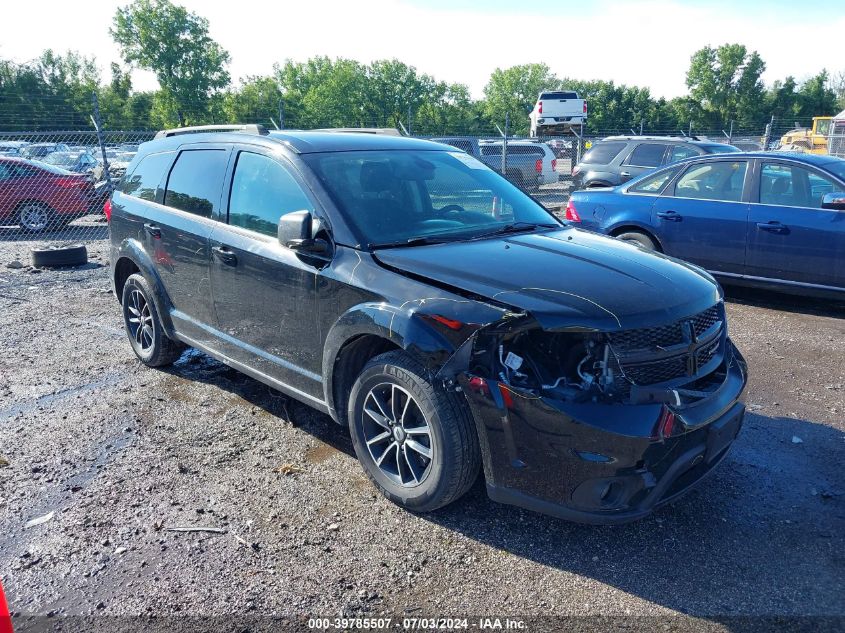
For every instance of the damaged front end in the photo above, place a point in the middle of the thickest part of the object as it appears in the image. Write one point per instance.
(601, 426)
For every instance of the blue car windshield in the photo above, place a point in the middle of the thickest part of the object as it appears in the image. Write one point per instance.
(397, 196)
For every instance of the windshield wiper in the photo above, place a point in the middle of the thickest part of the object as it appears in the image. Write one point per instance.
(515, 227)
(411, 241)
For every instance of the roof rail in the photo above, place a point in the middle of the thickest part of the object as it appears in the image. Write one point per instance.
(250, 128)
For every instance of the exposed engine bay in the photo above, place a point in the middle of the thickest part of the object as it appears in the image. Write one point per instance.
(673, 364)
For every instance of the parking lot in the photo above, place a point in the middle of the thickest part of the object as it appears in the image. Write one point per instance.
(115, 460)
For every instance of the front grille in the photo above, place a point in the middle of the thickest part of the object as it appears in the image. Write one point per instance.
(659, 340)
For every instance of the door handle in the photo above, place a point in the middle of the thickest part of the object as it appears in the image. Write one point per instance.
(671, 216)
(225, 255)
(625, 174)
(773, 227)
(153, 230)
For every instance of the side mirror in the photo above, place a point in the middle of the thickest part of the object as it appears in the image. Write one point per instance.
(295, 233)
(834, 200)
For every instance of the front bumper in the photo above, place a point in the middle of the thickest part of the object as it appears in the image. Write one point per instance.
(598, 463)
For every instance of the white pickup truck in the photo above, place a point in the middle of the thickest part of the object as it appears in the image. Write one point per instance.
(556, 111)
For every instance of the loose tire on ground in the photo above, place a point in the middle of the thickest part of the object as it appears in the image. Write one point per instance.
(58, 256)
(143, 325)
(452, 441)
(638, 238)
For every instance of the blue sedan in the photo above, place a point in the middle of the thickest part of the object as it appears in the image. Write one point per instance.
(766, 219)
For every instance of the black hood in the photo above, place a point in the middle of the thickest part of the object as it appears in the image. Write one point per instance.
(566, 278)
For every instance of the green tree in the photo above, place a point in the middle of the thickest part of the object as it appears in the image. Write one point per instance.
(726, 84)
(816, 97)
(255, 101)
(514, 91)
(174, 44)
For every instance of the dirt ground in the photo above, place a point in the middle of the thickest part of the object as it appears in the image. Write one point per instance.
(113, 456)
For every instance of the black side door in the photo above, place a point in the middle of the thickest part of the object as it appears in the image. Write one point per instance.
(264, 293)
(176, 230)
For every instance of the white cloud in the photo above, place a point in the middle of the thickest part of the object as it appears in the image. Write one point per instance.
(638, 43)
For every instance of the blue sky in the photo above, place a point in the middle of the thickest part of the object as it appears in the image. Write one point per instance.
(646, 43)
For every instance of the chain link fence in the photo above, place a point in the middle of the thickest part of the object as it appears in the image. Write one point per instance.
(53, 184)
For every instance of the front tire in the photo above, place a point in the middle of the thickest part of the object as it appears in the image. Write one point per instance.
(143, 325)
(416, 441)
(36, 217)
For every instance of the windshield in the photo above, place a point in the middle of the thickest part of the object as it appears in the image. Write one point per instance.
(61, 159)
(392, 197)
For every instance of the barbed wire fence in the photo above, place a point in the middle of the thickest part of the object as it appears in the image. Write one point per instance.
(54, 182)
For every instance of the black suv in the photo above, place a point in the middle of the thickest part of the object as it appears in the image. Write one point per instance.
(617, 159)
(417, 297)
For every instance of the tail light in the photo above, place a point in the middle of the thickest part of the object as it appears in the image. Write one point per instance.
(554, 164)
(71, 183)
(107, 209)
(538, 165)
(585, 107)
(571, 213)
(540, 108)
(665, 424)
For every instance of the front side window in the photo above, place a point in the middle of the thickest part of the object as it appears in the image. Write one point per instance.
(263, 191)
(713, 181)
(793, 186)
(680, 152)
(145, 178)
(646, 155)
(196, 180)
(655, 183)
(394, 196)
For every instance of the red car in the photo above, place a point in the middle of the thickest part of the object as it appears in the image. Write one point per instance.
(39, 196)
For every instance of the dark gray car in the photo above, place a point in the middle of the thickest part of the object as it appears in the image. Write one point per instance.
(617, 159)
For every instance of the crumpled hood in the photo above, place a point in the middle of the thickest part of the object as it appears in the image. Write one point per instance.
(566, 278)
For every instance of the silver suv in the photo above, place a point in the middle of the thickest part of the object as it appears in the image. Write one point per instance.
(617, 159)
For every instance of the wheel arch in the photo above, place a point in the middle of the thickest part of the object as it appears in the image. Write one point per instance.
(132, 259)
(637, 228)
(367, 330)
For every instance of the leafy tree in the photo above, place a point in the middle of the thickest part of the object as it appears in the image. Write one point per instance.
(725, 81)
(255, 101)
(514, 91)
(174, 44)
(816, 97)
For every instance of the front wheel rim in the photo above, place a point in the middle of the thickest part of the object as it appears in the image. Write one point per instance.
(397, 435)
(33, 218)
(140, 321)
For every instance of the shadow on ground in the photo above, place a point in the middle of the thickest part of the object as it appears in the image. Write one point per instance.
(774, 503)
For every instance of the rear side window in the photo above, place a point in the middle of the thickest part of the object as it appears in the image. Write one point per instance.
(145, 178)
(196, 180)
(602, 153)
(262, 192)
(646, 155)
(655, 183)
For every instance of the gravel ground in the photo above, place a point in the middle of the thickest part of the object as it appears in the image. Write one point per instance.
(117, 455)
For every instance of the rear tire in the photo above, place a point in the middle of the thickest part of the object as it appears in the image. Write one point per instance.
(638, 238)
(143, 325)
(416, 442)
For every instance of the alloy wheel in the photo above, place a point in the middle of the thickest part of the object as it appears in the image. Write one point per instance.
(140, 321)
(33, 217)
(397, 435)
